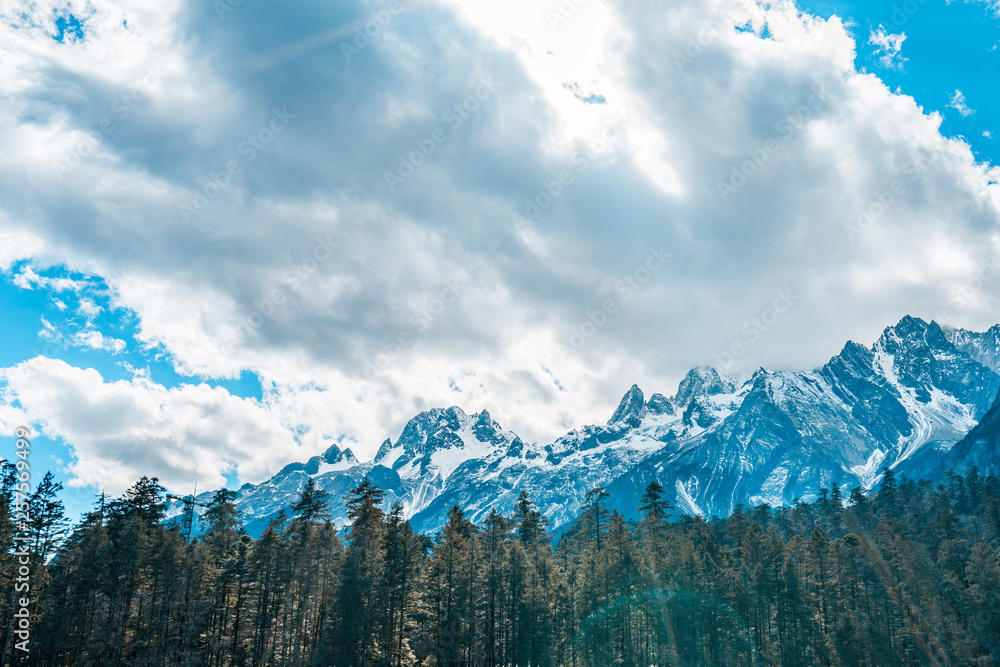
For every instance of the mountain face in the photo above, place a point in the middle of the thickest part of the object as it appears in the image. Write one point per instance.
(979, 448)
(719, 442)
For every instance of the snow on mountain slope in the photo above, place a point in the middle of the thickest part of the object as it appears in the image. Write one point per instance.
(719, 442)
(983, 347)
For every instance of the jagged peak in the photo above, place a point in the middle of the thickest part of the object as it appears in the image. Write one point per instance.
(333, 454)
(631, 409)
(658, 404)
(761, 377)
(429, 421)
(853, 346)
(908, 328)
(701, 380)
(954, 333)
(485, 429)
(907, 321)
(848, 416)
(383, 449)
(447, 428)
(456, 413)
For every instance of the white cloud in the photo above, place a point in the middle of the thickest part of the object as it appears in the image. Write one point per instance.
(304, 267)
(88, 308)
(889, 45)
(958, 104)
(97, 341)
(991, 5)
(122, 430)
(26, 278)
(88, 337)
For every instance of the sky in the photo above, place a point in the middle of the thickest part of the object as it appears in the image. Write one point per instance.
(235, 233)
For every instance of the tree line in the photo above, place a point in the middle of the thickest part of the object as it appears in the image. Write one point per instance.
(906, 575)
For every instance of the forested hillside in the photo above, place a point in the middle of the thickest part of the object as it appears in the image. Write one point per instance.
(908, 575)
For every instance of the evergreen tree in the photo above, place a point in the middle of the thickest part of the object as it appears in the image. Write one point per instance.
(362, 593)
(594, 516)
(653, 506)
(144, 500)
(806, 585)
(313, 503)
(223, 522)
(528, 521)
(836, 497)
(47, 523)
(402, 563)
(451, 591)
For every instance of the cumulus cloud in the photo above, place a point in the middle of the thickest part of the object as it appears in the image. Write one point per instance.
(96, 340)
(503, 263)
(119, 431)
(889, 46)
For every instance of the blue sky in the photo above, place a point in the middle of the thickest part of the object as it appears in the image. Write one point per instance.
(47, 318)
(949, 47)
(230, 239)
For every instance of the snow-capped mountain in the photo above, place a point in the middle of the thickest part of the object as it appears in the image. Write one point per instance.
(718, 442)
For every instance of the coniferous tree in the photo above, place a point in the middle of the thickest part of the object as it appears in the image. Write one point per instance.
(401, 570)
(47, 523)
(908, 574)
(222, 519)
(451, 591)
(362, 595)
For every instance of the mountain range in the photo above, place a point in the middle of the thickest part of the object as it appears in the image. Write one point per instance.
(922, 400)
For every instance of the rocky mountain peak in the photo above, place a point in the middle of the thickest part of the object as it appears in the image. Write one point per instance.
(488, 431)
(701, 381)
(432, 430)
(658, 404)
(383, 449)
(907, 402)
(631, 409)
(336, 455)
(910, 336)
